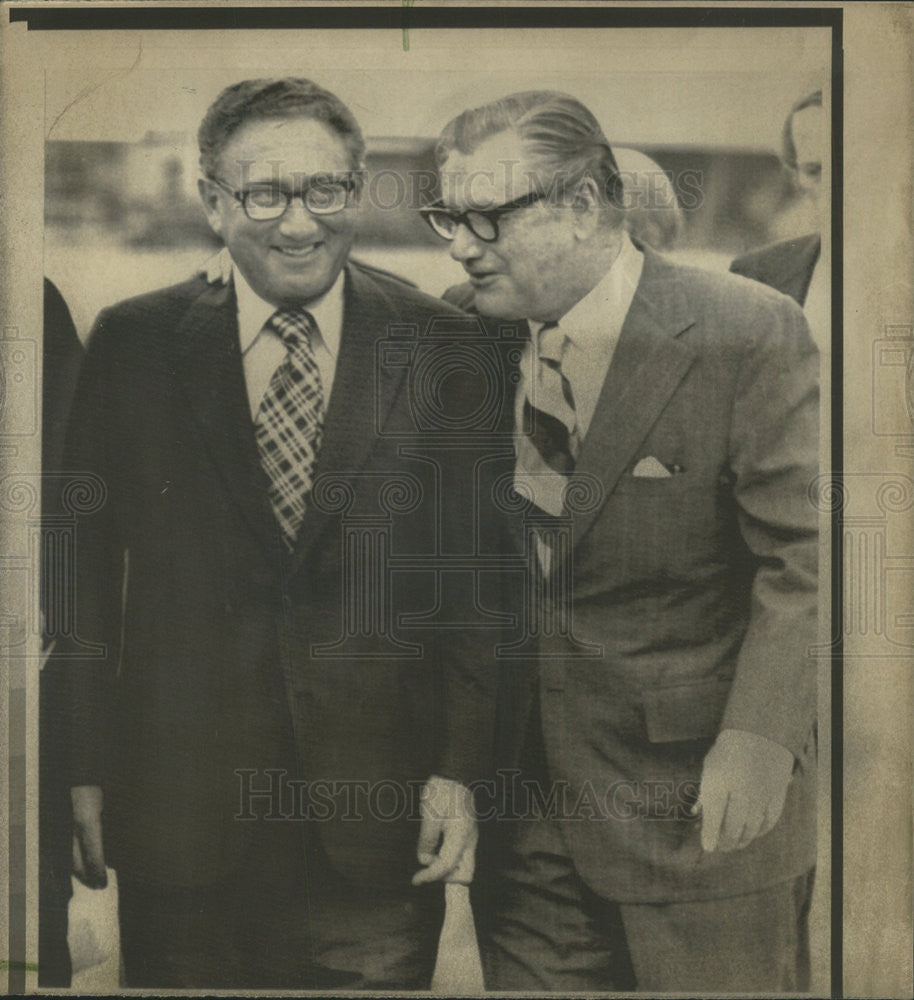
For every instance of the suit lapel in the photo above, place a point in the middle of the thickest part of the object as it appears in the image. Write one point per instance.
(363, 394)
(211, 372)
(648, 364)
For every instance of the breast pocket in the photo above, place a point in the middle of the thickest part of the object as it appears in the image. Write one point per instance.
(657, 528)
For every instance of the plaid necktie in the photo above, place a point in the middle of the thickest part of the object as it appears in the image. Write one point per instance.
(290, 421)
(549, 444)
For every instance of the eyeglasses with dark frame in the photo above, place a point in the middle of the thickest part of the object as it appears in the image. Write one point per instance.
(482, 223)
(321, 194)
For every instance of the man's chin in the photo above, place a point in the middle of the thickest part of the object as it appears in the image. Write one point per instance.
(296, 293)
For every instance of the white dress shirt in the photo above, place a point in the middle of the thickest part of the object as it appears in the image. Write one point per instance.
(262, 349)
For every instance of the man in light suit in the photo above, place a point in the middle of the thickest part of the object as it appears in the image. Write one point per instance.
(260, 726)
(662, 834)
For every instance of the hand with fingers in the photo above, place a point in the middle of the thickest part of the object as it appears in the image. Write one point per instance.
(448, 833)
(217, 269)
(88, 852)
(744, 783)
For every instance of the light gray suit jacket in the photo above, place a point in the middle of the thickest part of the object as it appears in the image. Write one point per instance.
(693, 596)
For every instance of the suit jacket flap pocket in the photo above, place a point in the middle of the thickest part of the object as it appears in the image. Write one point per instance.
(685, 711)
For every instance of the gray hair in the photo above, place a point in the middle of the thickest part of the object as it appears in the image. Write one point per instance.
(256, 100)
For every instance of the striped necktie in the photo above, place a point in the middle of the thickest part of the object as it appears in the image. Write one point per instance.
(289, 423)
(548, 444)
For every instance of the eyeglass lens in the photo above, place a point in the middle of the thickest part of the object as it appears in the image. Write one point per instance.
(321, 198)
(480, 225)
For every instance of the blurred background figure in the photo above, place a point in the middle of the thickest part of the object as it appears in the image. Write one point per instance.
(62, 358)
(796, 266)
(804, 140)
(653, 214)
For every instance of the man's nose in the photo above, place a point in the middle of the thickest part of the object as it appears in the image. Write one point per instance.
(297, 221)
(465, 245)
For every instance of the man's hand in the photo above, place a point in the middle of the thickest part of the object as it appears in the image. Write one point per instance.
(743, 787)
(448, 835)
(88, 855)
(217, 269)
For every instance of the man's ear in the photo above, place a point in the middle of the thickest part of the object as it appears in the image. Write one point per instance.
(587, 208)
(209, 195)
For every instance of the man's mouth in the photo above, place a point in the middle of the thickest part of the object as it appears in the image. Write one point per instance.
(481, 278)
(298, 253)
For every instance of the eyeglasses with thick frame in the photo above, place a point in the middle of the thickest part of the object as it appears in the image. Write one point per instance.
(482, 223)
(321, 194)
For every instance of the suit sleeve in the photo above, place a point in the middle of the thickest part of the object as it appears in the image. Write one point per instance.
(90, 661)
(774, 458)
(466, 656)
(469, 710)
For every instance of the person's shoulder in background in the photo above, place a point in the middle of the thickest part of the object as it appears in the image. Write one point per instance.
(61, 341)
(786, 266)
(63, 355)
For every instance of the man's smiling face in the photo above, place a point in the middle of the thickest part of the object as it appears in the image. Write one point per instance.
(297, 257)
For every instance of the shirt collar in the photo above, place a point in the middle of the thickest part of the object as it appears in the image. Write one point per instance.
(253, 313)
(609, 299)
(585, 323)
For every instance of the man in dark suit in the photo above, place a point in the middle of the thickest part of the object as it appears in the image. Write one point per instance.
(261, 726)
(790, 265)
(662, 835)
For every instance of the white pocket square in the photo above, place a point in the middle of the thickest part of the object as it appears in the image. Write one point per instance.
(651, 468)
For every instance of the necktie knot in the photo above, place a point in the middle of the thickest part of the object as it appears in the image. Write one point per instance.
(294, 326)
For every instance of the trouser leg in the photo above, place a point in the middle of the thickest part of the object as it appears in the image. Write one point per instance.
(547, 930)
(753, 943)
(385, 939)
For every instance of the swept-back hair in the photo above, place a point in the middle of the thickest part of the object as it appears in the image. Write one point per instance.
(558, 131)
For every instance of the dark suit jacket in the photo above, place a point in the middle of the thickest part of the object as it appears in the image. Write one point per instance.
(63, 354)
(693, 596)
(225, 653)
(787, 266)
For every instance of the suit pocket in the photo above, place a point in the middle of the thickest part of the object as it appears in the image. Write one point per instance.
(685, 711)
(654, 485)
